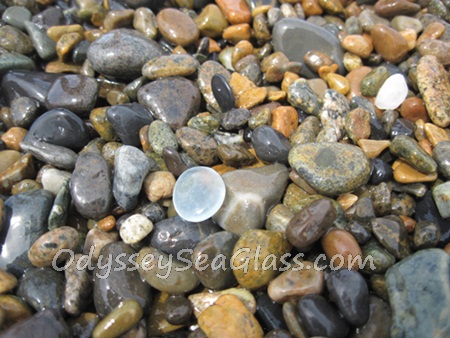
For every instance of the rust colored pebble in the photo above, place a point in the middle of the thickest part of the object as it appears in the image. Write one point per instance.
(107, 224)
(236, 11)
(389, 43)
(413, 109)
(341, 248)
(13, 137)
(237, 33)
(285, 120)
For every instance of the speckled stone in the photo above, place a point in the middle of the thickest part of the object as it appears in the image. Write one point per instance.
(390, 231)
(235, 155)
(332, 115)
(300, 95)
(331, 168)
(177, 27)
(381, 258)
(15, 61)
(441, 195)
(409, 150)
(435, 89)
(204, 81)
(441, 154)
(200, 146)
(78, 286)
(235, 118)
(158, 96)
(14, 40)
(160, 136)
(121, 53)
(426, 235)
(416, 314)
(306, 132)
(170, 65)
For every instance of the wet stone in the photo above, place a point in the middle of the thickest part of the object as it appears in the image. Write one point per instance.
(426, 235)
(300, 95)
(160, 136)
(441, 195)
(127, 119)
(177, 27)
(7, 281)
(441, 154)
(16, 16)
(373, 81)
(381, 172)
(334, 110)
(269, 313)
(76, 93)
(14, 40)
(403, 204)
(121, 53)
(170, 65)
(78, 286)
(130, 168)
(377, 131)
(270, 145)
(360, 231)
(60, 209)
(206, 72)
(177, 310)
(43, 45)
(235, 155)
(24, 111)
(200, 146)
(401, 126)
(158, 96)
(222, 92)
(56, 156)
(235, 118)
(390, 231)
(410, 151)
(91, 186)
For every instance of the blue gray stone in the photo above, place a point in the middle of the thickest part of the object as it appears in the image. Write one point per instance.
(16, 16)
(57, 156)
(14, 61)
(44, 46)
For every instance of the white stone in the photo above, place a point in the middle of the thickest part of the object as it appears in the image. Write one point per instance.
(135, 228)
(198, 194)
(392, 93)
(53, 179)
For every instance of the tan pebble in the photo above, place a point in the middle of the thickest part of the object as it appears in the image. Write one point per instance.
(318, 85)
(236, 11)
(241, 50)
(143, 137)
(13, 137)
(158, 185)
(341, 248)
(426, 145)
(214, 46)
(357, 45)
(410, 36)
(67, 42)
(93, 34)
(389, 43)
(276, 95)
(410, 223)
(144, 21)
(354, 79)
(447, 248)
(392, 8)
(246, 93)
(7, 281)
(288, 78)
(107, 224)
(315, 59)
(115, 97)
(261, 10)
(61, 67)
(211, 21)
(352, 61)
(347, 200)
(7, 158)
(257, 164)
(15, 308)
(373, 148)
(56, 32)
(177, 27)
(352, 10)
(237, 33)
(118, 19)
(333, 7)
(413, 109)
(433, 31)
(285, 120)
(311, 7)
(440, 49)
(338, 83)
(404, 173)
(435, 134)
(419, 133)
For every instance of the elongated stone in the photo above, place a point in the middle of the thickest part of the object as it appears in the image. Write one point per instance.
(170, 65)
(44, 46)
(78, 287)
(409, 150)
(204, 81)
(57, 156)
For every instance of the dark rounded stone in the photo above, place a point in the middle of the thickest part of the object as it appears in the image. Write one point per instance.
(24, 111)
(153, 211)
(382, 259)
(350, 293)
(177, 309)
(390, 231)
(441, 154)
(222, 92)
(234, 118)
(362, 211)
(269, 313)
(127, 119)
(60, 127)
(361, 232)
(320, 318)
(270, 145)
(381, 172)
(174, 162)
(379, 322)
(51, 16)
(79, 53)
(426, 235)
(235, 155)
(403, 127)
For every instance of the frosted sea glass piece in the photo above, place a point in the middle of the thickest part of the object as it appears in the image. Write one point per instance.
(392, 93)
(198, 194)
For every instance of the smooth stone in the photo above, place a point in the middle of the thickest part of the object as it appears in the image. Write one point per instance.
(350, 293)
(261, 250)
(174, 234)
(48, 323)
(236, 11)
(206, 72)
(54, 155)
(91, 186)
(15, 62)
(78, 286)
(16, 16)
(119, 280)
(83, 325)
(377, 131)
(426, 235)
(389, 43)
(379, 321)
(389, 9)
(306, 132)
(310, 224)
(44, 46)
(165, 273)
(153, 211)
(96, 240)
(330, 324)
(26, 83)
(14, 40)
(77, 93)
(235, 155)
(79, 53)
(8, 158)
(42, 289)
(341, 248)
(416, 314)
(381, 172)
(402, 126)
(292, 284)
(170, 65)
(121, 53)
(300, 95)
(440, 49)
(50, 244)
(234, 119)
(50, 16)
(177, 310)
(158, 96)
(7, 281)
(54, 179)
(402, 22)
(441, 195)
(218, 249)
(135, 228)
(24, 111)
(60, 209)
(435, 89)
(250, 193)
(331, 168)
(409, 150)
(120, 320)
(269, 313)
(289, 30)
(222, 92)
(126, 121)
(270, 145)
(130, 168)
(65, 129)
(204, 122)
(392, 93)
(211, 22)
(372, 82)
(177, 27)
(382, 259)
(357, 124)
(441, 154)
(20, 170)
(32, 209)
(334, 110)
(200, 146)
(101, 124)
(391, 233)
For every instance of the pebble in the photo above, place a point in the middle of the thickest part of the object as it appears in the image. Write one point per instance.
(130, 168)
(78, 286)
(57, 156)
(145, 22)
(159, 185)
(211, 22)
(437, 48)
(426, 235)
(236, 11)
(402, 280)
(14, 40)
(300, 95)
(441, 154)
(157, 96)
(379, 321)
(325, 167)
(410, 151)
(357, 124)
(206, 72)
(160, 136)
(250, 193)
(54, 179)
(170, 65)
(7, 281)
(222, 92)
(341, 248)
(357, 45)
(269, 313)
(135, 228)
(91, 188)
(392, 93)
(413, 109)
(391, 233)
(389, 43)
(121, 53)
(389, 9)
(177, 310)
(235, 155)
(246, 93)
(234, 118)
(441, 198)
(435, 89)
(284, 120)
(44, 46)
(16, 16)
(270, 145)
(177, 27)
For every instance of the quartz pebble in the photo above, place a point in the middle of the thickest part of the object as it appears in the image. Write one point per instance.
(392, 93)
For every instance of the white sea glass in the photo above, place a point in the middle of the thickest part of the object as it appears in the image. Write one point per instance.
(392, 93)
(198, 194)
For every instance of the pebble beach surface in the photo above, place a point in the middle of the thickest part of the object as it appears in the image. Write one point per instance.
(227, 168)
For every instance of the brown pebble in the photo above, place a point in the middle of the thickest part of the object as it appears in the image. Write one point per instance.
(410, 36)
(333, 7)
(357, 124)
(346, 200)
(58, 67)
(246, 93)
(426, 145)
(315, 59)
(236, 11)
(7, 158)
(404, 173)
(107, 224)
(288, 79)
(312, 7)
(7, 281)
(435, 134)
(24, 186)
(358, 45)
(118, 19)
(433, 31)
(391, 8)
(241, 50)
(341, 248)
(389, 43)
(236, 33)
(21, 169)
(440, 49)
(354, 79)
(373, 148)
(285, 120)
(410, 223)
(413, 109)
(13, 137)
(158, 185)
(15, 309)
(177, 27)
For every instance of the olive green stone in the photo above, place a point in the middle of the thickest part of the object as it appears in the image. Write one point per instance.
(306, 132)
(331, 168)
(160, 135)
(83, 325)
(101, 124)
(261, 118)
(22, 169)
(14, 40)
(109, 152)
(211, 21)
(170, 65)
(300, 95)
(391, 233)
(257, 257)
(294, 197)
(357, 124)
(200, 146)
(235, 155)
(403, 204)
(14, 61)
(16, 16)
(382, 260)
(278, 218)
(119, 320)
(378, 286)
(441, 195)
(409, 150)
(426, 235)
(381, 198)
(205, 123)
(7, 158)
(372, 82)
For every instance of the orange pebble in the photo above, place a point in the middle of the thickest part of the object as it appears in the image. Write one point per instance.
(107, 224)
(13, 137)
(285, 120)
(341, 248)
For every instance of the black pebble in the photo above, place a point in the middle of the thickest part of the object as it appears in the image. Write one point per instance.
(222, 92)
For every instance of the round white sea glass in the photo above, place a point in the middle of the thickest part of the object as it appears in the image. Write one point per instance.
(198, 194)
(392, 93)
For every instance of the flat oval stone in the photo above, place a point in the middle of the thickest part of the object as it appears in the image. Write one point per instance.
(222, 92)
(392, 93)
(77, 93)
(389, 43)
(331, 168)
(310, 37)
(441, 154)
(158, 96)
(60, 127)
(270, 145)
(127, 119)
(119, 280)
(311, 307)
(349, 291)
(170, 65)
(57, 156)
(177, 27)
(16, 16)
(121, 53)
(135, 228)
(91, 188)
(200, 146)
